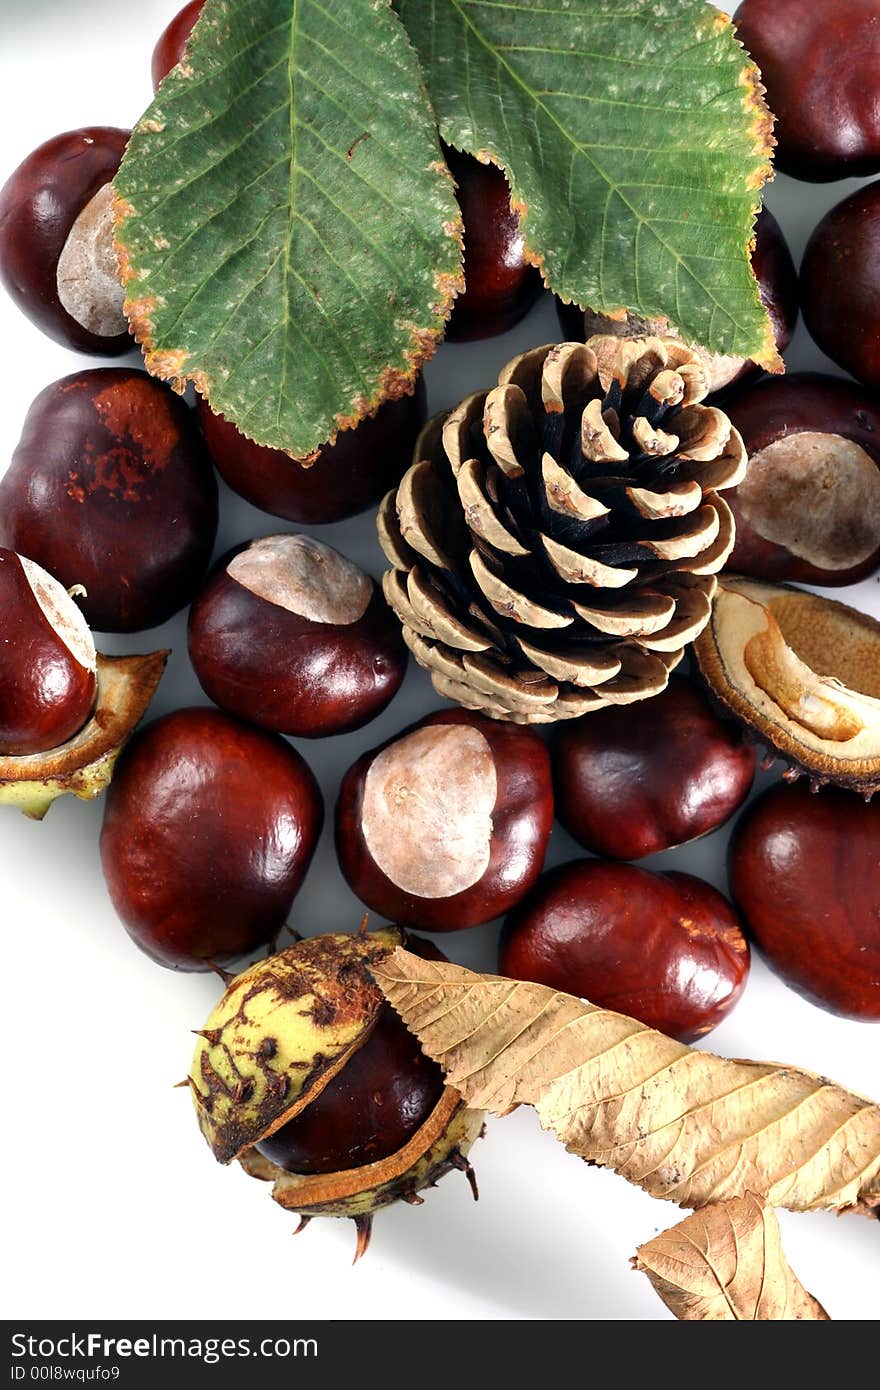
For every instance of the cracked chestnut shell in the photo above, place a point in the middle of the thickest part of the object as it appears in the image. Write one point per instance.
(306, 1076)
(57, 258)
(342, 480)
(777, 285)
(632, 781)
(446, 825)
(808, 510)
(666, 949)
(292, 636)
(805, 873)
(840, 281)
(171, 44)
(110, 487)
(208, 831)
(820, 65)
(500, 284)
(48, 663)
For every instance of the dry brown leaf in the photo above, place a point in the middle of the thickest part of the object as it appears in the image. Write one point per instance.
(685, 1125)
(725, 1263)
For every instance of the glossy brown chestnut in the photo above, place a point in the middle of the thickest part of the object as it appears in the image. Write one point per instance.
(500, 285)
(345, 478)
(805, 874)
(290, 635)
(172, 41)
(209, 827)
(110, 487)
(820, 64)
(634, 780)
(840, 283)
(446, 825)
(382, 1095)
(57, 258)
(777, 279)
(666, 949)
(777, 285)
(48, 680)
(808, 510)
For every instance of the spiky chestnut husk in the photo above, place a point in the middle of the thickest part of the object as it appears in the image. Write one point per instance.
(282, 1031)
(84, 764)
(555, 544)
(802, 673)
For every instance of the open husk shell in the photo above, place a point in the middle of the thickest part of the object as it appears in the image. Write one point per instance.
(282, 1031)
(802, 672)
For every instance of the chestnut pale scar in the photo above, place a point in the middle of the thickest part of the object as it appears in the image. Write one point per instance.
(305, 577)
(427, 810)
(88, 277)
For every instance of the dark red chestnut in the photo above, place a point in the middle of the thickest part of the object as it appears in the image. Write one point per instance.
(370, 1109)
(777, 280)
(209, 827)
(777, 285)
(500, 285)
(48, 664)
(666, 949)
(808, 509)
(172, 41)
(446, 825)
(840, 282)
(110, 487)
(805, 874)
(57, 257)
(344, 479)
(635, 780)
(820, 64)
(291, 635)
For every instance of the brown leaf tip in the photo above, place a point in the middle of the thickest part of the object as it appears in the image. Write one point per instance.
(725, 1263)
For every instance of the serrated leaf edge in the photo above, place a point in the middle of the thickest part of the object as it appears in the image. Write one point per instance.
(764, 142)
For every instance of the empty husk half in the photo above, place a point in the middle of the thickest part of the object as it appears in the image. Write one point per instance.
(803, 673)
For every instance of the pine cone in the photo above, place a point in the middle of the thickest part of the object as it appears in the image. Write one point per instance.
(555, 542)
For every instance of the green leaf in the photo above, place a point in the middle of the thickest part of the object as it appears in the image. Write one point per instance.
(636, 141)
(288, 231)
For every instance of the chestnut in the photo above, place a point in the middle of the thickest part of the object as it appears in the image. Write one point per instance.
(171, 44)
(666, 949)
(500, 284)
(840, 283)
(777, 278)
(290, 635)
(820, 64)
(777, 285)
(48, 662)
(446, 825)
(805, 874)
(303, 1068)
(808, 509)
(57, 255)
(209, 827)
(371, 1108)
(342, 480)
(635, 780)
(110, 487)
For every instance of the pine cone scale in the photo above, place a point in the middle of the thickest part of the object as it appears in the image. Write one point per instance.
(481, 516)
(647, 613)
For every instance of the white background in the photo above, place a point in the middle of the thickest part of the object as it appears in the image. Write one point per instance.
(115, 1207)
